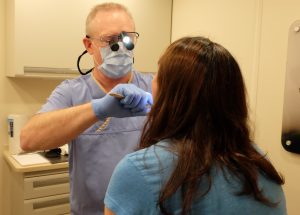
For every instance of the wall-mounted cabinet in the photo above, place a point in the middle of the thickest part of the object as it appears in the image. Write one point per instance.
(44, 38)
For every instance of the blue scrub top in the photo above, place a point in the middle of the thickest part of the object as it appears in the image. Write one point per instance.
(94, 153)
(137, 180)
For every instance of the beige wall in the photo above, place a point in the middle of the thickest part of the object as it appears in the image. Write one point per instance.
(232, 23)
(256, 33)
(277, 17)
(16, 96)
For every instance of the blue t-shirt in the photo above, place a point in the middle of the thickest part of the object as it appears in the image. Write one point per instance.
(138, 178)
(95, 152)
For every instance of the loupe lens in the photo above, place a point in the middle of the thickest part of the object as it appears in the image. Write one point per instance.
(114, 46)
(125, 38)
(127, 41)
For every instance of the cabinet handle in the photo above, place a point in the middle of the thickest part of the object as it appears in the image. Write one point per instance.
(57, 204)
(50, 203)
(49, 182)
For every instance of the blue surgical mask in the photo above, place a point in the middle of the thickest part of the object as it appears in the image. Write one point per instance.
(116, 64)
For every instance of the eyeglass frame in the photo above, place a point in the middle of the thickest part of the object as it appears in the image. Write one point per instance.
(119, 37)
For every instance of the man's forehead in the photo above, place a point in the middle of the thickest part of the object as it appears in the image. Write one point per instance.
(112, 15)
(112, 22)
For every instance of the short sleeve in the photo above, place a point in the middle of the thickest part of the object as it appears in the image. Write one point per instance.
(128, 193)
(60, 98)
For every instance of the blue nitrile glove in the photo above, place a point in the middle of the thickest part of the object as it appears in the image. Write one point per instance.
(136, 102)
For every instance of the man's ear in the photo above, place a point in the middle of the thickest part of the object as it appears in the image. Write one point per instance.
(88, 45)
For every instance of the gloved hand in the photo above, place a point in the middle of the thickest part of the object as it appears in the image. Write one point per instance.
(136, 102)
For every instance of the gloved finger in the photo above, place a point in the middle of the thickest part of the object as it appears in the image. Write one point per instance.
(141, 112)
(146, 98)
(135, 102)
(131, 94)
(145, 103)
(122, 89)
(141, 105)
(128, 99)
(149, 99)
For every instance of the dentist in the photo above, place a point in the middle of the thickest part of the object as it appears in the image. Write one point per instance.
(99, 128)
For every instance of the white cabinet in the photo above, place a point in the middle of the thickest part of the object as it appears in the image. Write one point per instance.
(40, 189)
(44, 38)
(41, 193)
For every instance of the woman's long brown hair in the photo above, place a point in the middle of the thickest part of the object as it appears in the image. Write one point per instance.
(201, 106)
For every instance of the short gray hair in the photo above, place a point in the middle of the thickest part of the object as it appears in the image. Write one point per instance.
(110, 6)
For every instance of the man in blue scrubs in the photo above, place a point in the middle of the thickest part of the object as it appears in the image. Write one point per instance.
(77, 111)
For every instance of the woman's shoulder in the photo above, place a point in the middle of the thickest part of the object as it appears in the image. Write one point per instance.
(156, 151)
(153, 159)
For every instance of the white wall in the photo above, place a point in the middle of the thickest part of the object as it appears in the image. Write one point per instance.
(256, 33)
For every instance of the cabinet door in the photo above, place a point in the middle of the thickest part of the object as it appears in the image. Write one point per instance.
(46, 36)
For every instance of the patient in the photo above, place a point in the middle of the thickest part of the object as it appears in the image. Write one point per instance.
(196, 155)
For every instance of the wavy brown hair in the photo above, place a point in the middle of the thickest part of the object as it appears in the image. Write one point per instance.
(201, 107)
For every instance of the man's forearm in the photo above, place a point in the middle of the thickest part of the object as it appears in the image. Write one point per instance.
(53, 129)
